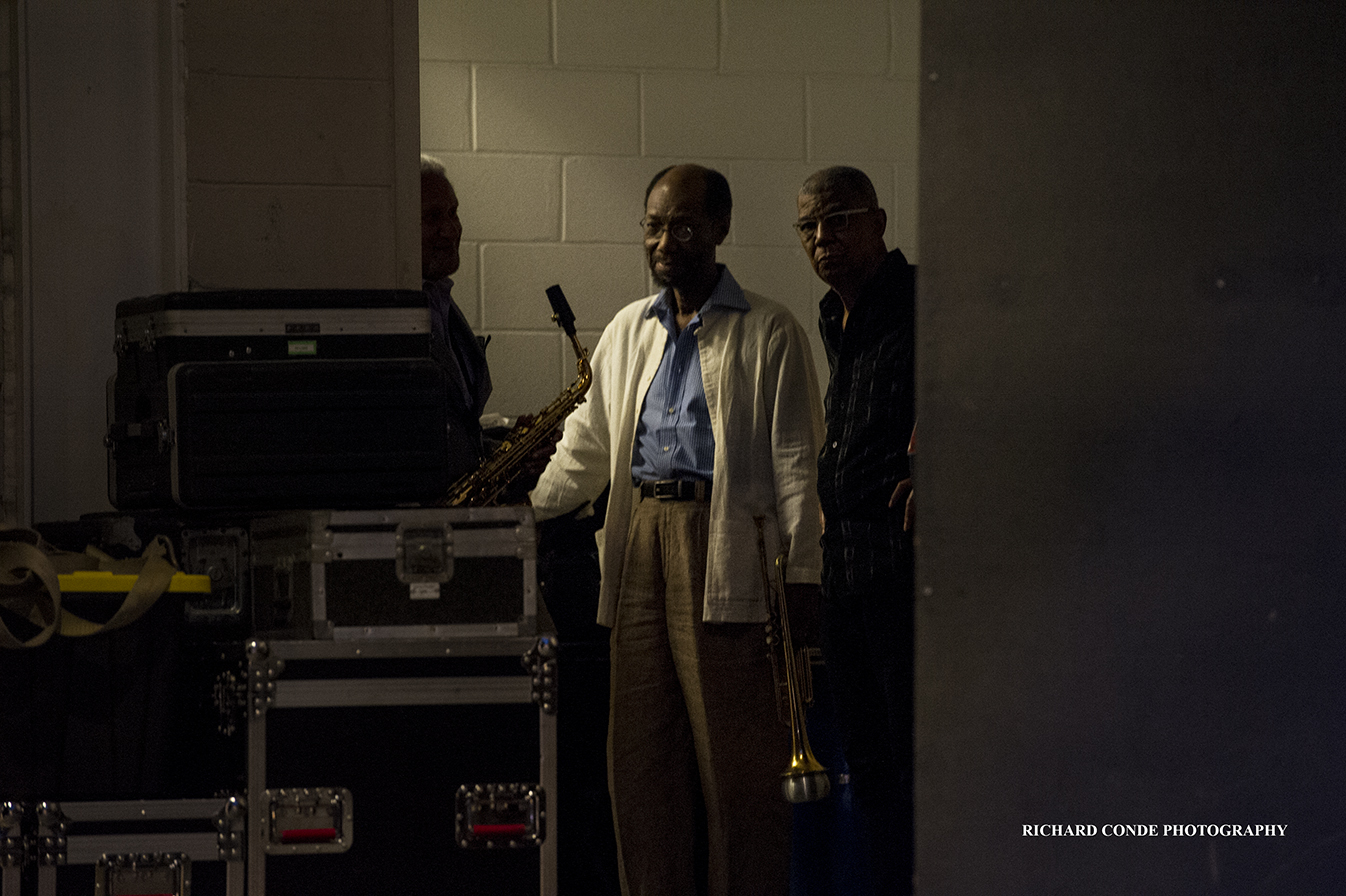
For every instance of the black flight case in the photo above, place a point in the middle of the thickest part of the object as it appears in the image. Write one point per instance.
(401, 705)
(276, 399)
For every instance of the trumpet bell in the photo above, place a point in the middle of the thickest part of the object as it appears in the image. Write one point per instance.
(805, 787)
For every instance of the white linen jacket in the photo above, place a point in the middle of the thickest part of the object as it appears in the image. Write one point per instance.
(766, 416)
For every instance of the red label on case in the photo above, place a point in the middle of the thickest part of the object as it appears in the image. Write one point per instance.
(308, 835)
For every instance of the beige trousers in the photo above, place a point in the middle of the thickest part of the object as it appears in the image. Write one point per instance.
(692, 723)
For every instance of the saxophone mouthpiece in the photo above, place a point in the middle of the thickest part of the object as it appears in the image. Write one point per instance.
(560, 308)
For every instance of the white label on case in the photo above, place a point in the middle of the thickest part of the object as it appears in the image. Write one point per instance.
(424, 590)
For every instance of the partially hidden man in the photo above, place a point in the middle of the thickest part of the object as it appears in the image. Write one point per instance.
(867, 320)
(704, 416)
(453, 345)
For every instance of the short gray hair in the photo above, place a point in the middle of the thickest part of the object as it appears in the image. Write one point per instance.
(841, 179)
(432, 165)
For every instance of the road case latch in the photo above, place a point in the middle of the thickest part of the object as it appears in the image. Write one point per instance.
(424, 556)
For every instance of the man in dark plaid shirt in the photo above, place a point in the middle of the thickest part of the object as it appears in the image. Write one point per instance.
(867, 321)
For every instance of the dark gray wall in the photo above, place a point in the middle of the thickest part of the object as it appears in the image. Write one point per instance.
(1132, 351)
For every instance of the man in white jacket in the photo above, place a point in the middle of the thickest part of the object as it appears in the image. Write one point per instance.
(704, 415)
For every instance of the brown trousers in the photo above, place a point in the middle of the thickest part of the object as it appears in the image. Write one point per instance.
(692, 717)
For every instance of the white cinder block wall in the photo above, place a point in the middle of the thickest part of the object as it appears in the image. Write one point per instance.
(296, 118)
(552, 115)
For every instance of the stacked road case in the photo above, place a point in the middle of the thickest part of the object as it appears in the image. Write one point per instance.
(123, 847)
(401, 707)
(403, 573)
(399, 712)
(386, 700)
(276, 398)
(383, 766)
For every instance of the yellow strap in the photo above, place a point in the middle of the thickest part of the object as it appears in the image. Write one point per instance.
(155, 575)
(29, 588)
(40, 601)
(100, 582)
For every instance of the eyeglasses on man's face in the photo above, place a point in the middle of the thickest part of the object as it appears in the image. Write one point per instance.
(836, 222)
(654, 228)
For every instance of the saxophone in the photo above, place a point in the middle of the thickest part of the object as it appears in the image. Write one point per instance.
(483, 485)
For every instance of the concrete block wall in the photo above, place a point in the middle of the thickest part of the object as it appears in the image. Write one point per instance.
(300, 136)
(210, 144)
(552, 115)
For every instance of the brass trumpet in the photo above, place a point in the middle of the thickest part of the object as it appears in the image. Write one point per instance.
(806, 780)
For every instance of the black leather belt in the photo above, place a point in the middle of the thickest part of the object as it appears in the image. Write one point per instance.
(676, 489)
